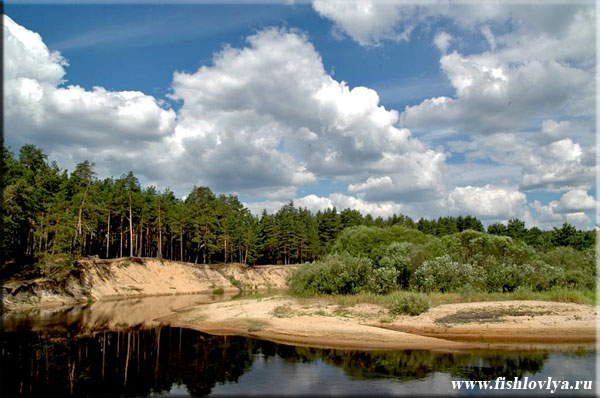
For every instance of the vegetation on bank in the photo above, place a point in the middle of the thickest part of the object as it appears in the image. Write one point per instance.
(375, 261)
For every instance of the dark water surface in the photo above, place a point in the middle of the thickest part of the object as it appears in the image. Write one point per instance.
(83, 352)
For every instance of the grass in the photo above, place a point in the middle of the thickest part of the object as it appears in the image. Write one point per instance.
(258, 296)
(235, 282)
(562, 295)
(283, 311)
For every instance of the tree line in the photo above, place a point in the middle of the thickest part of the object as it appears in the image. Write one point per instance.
(47, 211)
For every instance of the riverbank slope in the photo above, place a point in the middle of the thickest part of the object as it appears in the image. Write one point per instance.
(96, 279)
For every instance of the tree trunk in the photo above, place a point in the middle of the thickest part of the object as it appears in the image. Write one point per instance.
(181, 244)
(41, 232)
(108, 234)
(80, 217)
(159, 254)
(130, 228)
(121, 250)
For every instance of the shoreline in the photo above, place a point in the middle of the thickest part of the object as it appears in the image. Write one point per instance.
(317, 323)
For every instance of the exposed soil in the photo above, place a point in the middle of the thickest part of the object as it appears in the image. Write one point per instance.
(139, 277)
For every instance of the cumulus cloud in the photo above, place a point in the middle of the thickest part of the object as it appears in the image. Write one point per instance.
(545, 160)
(574, 202)
(543, 64)
(67, 120)
(272, 113)
(572, 207)
(338, 200)
(487, 202)
(492, 96)
(263, 120)
(367, 22)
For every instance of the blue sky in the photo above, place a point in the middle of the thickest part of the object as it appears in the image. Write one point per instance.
(387, 108)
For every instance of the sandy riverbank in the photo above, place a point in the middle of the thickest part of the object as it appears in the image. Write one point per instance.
(317, 322)
(96, 279)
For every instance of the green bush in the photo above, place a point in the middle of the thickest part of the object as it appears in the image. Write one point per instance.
(382, 280)
(570, 259)
(444, 275)
(506, 277)
(397, 258)
(577, 279)
(545, 276)
(411, 304)
(57, 267)
(335, 274)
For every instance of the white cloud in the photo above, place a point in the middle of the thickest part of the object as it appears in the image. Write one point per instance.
(575, 201)
(492, 96)
(26, 56)
(572, 208)
(486, 202)
(338, 200)
(442, 41)
(544, 160)
(367, 22)
(67, 121)
(263, 120)
(542, 64)
(292, 125)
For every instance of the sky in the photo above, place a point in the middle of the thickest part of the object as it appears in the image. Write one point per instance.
(431, 109)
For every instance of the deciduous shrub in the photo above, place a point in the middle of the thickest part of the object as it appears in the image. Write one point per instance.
(545, 276)
(577, 279)
(397, 258)
(382, 280)
(411, 304)
(506, 277)
(444, 275)
(335, 274)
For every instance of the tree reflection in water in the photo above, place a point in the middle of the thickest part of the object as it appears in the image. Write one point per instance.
(137, 362)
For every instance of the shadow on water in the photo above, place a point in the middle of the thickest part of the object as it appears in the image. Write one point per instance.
(92, 356)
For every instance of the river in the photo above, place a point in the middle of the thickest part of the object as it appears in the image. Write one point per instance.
(119, 348)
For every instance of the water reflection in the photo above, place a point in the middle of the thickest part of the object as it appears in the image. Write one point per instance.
(110, 315)
(121, 349)
(62, 361)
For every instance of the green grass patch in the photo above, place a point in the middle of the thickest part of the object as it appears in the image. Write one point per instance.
(411, 304)
(557, 294)
(283, 311)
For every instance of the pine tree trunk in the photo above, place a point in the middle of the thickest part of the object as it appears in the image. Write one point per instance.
(159, 254)
(108, 234)
(121, 250)
(130, 228)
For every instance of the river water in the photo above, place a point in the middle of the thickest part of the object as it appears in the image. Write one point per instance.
(119, 349)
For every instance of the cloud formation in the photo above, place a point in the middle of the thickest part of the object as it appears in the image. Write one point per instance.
(292, 125)
(266, 119)
(69, 121)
